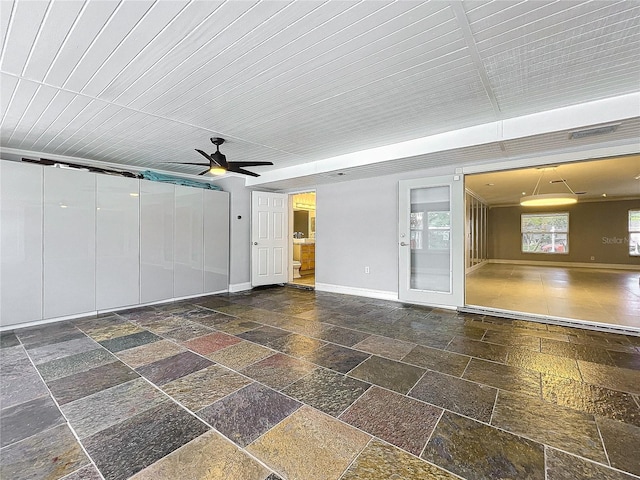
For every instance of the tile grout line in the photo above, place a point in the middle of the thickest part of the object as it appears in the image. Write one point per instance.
(356, 456)
(424, 448)
(67, 423)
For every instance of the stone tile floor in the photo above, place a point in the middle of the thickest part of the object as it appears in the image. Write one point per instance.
(283, 383)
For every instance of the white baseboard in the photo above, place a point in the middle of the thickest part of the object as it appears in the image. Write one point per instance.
(538, 263)
(360, 292)
(239, 287)
(95, 313)
(476, 266)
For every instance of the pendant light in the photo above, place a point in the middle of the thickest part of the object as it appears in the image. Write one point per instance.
(537, 199)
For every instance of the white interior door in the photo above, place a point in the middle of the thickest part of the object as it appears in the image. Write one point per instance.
(269, 240)
(431, 243)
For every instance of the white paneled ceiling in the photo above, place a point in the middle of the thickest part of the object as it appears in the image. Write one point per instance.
(141, 83)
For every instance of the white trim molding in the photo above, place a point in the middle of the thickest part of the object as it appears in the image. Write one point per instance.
(540, 263)
(360, 292)
(239, 287)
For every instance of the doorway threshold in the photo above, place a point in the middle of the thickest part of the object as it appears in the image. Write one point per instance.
(551, 320)
(301, 286)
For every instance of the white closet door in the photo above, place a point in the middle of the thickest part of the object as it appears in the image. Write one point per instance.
(216, 241)
(69, 242)
(20, 243)
(189, 237)
(117, 242)
(156, 241)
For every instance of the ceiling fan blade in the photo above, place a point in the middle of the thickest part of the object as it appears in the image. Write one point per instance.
(206, 171)
(243, 171)
(205, 155)
(248, 164)
(188, 163)
(219, 159)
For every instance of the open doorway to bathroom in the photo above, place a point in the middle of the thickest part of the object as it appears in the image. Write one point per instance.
(303, 239)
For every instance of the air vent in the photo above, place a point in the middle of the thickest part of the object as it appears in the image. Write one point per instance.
(589, 132)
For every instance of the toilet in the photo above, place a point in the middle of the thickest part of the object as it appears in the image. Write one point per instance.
(296, 269)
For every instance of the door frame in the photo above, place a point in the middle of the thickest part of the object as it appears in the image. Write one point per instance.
(290, 232)
(270, 239)
(455, 298)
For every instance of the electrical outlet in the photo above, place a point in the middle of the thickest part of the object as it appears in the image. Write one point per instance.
(366, 270)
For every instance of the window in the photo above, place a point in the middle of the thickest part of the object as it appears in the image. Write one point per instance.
(545, 233)
(438, 230)
(634, 233)
(439, 226)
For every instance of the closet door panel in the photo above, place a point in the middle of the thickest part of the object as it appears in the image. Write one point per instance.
(216, 241)
(156, 241)
(20, 243)
(69, 242)
(117, 242)
(188, 246)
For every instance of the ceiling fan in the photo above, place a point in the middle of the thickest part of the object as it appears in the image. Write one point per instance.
(218, 164)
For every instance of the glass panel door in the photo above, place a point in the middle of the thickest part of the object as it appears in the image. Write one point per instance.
(431, 230)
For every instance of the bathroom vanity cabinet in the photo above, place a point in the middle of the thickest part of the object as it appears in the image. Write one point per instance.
(306, 255)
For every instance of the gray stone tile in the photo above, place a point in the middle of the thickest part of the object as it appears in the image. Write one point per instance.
(8, 339)
(150, 435)
(572, 431)
(562, 466)
(338, 358)
(264, 335)
(461, 396)
(83, 384)
(475, 450)
(395, 418)
(77, 363)
(478, 349)
(246, 414)
(386, 373)
(186, 331)
(327, 391)
(171, 368)
(385, 347)
(297, 345)
(591, 399)
(513, 379)
(19, 380)
(86, 473)
(54, 351)
(204, 387)
(29, 418)
(439, 360)
(129, 341)
(380, 460)
(96, 412)
(342, 336)
(278, 370)
(50, 454)
(38, 336)
(621, 441)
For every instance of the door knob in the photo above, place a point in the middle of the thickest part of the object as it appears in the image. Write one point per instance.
(402, 244)
(255, 243)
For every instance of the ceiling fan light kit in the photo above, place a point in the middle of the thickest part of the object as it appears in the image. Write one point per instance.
(537, 199)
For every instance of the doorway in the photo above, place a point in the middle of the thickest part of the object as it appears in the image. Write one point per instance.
(572, 264)
(302, 271)
(431, 229)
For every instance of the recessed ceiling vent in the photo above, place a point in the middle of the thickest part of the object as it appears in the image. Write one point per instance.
(589, 132)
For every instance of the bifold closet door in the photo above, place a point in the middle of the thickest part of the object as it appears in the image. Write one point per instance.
(216, 241)
(117, 242)
(69, 242)
(188, 276)
(156, 241)
(20, 243)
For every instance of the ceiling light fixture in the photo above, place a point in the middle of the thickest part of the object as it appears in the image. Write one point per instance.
(217, 171)
(537, 199)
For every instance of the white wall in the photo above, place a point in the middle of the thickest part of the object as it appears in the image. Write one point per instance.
(239, 232)
(356, 227)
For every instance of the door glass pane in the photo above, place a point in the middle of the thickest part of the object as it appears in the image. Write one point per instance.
(431, 239)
